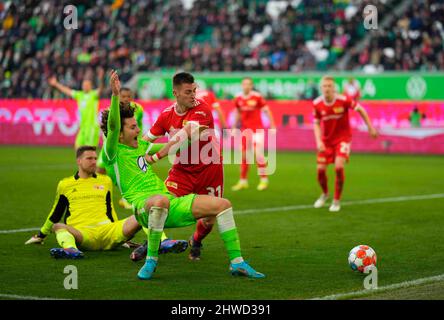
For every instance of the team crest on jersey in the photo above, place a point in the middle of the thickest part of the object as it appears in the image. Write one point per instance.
(338, 110)
(142, 163)
(98, 187)
(171, 184)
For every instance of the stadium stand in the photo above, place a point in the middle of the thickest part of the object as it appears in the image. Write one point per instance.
(210, 35)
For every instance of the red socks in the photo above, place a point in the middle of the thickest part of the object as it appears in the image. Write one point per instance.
(201, 231)
(322, 179)
(339, 183)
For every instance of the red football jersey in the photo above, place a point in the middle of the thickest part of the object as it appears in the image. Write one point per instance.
(208, 97)
(250, 110)
(170, 121)
(334, 118)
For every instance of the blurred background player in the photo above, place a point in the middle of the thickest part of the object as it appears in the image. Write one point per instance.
(249, 105)
(126, 98)
(88, 108)
(333, 138)
(352, 89)
(209, 97)
(204, 177)
(416, 117)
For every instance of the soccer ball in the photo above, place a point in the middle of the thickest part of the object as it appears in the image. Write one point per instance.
(361, 257)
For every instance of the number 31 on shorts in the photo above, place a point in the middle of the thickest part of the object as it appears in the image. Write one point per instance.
(215, 192)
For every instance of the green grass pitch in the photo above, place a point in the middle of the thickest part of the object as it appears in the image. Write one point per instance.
(303, 252)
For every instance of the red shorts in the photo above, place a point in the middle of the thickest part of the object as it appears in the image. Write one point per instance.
(341, 149)
(209, 181)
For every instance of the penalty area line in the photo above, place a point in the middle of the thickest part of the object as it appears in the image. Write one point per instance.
(303, 207)
(369, 292)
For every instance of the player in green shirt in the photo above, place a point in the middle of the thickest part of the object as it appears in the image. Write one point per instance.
(126, 98)
(88, 104)
(155, 207)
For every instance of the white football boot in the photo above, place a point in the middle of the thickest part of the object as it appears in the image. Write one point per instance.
(321, 201)
(335, 206)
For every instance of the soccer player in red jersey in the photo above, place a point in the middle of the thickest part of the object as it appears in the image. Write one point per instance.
(249, 106)
(202, 174)
(333, 139)
(210, 99)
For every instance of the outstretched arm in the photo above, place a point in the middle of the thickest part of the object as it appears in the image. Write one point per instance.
(182, 136)
(100, 75)
(56, 214)
(112, 139)
(64, 89)
(364, 115)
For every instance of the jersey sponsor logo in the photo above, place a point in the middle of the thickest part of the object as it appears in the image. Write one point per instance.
(332, 117)
(201, 112)
(98, 187)
(338, 110)
(172, 184)
(142, 163)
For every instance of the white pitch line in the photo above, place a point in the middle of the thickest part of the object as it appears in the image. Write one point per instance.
(302, 207)
(17, 297)
(18, 230)
(346, 203)
(401, 285)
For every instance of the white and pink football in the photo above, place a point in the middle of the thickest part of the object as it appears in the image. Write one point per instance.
(361, 257)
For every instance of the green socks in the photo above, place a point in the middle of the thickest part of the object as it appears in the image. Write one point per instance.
(229, 235)
(65, 239)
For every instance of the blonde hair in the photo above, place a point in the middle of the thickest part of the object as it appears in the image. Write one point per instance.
(327, 77)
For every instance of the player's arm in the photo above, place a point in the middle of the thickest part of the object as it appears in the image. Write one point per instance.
(100, 75)
(157, 130)
(220, 115)
(268, 112)
(154, 148)
(56, 214)
(317, 131)
(64, 89)
(191, 130)
(364, 115)
(236, 118)
(109, 201)
(112, 139)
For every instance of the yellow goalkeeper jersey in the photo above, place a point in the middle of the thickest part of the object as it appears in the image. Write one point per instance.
(82, 202)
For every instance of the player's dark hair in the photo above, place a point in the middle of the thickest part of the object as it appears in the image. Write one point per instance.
(124, 89)
(181, 78)
(80, 150)
(126, 111)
